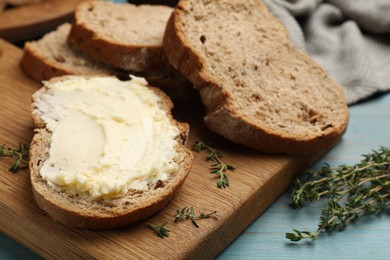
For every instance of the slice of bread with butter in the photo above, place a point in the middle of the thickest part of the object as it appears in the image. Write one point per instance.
(106, 153)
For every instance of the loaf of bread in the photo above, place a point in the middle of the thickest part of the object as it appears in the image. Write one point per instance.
(258, 89)
(106, 153)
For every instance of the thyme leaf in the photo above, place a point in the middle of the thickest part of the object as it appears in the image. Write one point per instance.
(160, 230)
(20, 154)
(219, 168)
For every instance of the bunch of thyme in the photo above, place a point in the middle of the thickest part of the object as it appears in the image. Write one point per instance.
(20, 153)
(219, 168)
(352, 191)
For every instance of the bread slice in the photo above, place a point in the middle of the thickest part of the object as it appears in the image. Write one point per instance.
(123, 35)
(81, 210)
(258, 89)
(51, 56)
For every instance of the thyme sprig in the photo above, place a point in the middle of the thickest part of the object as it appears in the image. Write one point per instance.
(353, 191)
(189, 213)
(219, 168)
(20, 154)
(160, 230)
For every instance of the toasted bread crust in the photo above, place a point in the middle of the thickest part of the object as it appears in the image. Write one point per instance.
(81, 211)
(223, 116)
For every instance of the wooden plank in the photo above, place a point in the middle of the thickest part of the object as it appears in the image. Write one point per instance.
(29, 21)
(258, 181)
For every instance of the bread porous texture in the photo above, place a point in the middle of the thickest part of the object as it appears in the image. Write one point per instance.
(80, 209)
(258, 89)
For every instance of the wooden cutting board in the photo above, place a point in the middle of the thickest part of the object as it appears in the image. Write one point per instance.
(257, 182)
(29, 21)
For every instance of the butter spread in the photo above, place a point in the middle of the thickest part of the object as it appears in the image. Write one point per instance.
(108, 136)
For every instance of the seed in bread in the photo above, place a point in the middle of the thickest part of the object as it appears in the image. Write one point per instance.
(258, 89)
(106, 153)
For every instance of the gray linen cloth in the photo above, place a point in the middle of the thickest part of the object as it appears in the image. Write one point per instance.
(350, 39)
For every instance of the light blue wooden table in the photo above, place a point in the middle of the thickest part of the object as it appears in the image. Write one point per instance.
(369, 128)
